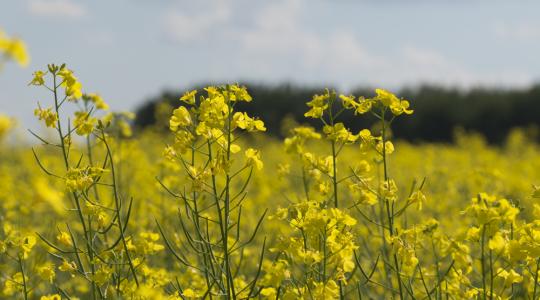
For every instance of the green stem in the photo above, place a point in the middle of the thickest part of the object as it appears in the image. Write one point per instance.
(387, 203)
(230, 281)
(536, 278)
(91, 161)
(305, 183)
(491, 276)
(482, 260)
(118, 208)
(334, 176)
(204, 248)
(25, 289)
(91, 258)
(66, 163)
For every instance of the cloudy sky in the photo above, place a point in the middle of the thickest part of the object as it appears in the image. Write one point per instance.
(128, 50)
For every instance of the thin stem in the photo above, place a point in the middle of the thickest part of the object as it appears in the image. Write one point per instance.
(334, 175)
(482, 260)
(25, 289)
(491, 276)
(230, 281)
(387, 203)
(218, 210)
(118, 209)
(536, 278)
(66, 163)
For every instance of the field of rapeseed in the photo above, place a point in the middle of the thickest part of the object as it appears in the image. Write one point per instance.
(217, 209)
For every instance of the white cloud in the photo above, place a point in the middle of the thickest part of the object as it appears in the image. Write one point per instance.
(413, 65)
(56, 8)
(278, 41)
(286, 47)
(183, 26)
(279, 15)
(522, 31)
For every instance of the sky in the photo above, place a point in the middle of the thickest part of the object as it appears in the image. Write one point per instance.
(130, 50)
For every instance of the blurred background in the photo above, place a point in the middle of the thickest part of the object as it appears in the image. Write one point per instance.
(468, 64)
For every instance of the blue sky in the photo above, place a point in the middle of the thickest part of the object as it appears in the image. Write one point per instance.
(129, 50)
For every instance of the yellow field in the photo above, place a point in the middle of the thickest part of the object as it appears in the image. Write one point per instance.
(216, 209)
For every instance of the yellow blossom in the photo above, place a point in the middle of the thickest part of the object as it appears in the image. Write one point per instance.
(254, 157)
(189, 97)
(180, 118)
(48, 115)
(64, 239)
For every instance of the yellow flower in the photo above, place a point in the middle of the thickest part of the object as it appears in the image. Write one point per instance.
(48, 115)
(388, 147)
(319, 104)
(147, 291)
(385, 97)
(84, 123)
(15, 49)
(101, 219)
(509, 277)
(497, 243)
(180, 118)
(80, 179)
(189, 97)
(388, 190)
(315, 112)
(401, 106)
(306, 133)
(64, 238)
(409, 260)
(367, 141)
(14, 284)
(72, 86)
(51, 297)
(182, 142)
(102, 275)
(473, 234)
(348, 265)
(515, 251)
(148, 244)
(254, 157)
(243, 121)
(349, 102)
(419, 198)
(47, 193)
(190, 293)
(26, 244)
(67, 266)
(339, 133)
(6, 124)
(269, 293)
(38, 78)
(328, 290)
(364, 105)
(97, 100)
(238, 93)
(365, 197)
(46, 272)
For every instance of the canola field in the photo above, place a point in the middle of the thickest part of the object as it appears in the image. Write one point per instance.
(216, 209)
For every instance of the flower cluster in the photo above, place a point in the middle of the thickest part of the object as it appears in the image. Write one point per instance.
(14, 49)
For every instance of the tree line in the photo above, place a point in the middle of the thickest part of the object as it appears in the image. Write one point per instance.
(438, 111)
